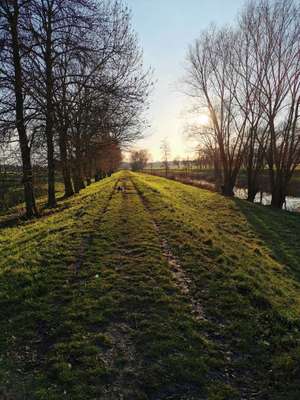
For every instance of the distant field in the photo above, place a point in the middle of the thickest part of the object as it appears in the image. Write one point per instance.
(143, 288)
(12, 191)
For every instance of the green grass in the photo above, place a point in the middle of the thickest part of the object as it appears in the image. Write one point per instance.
(90, 308)
(209, 176)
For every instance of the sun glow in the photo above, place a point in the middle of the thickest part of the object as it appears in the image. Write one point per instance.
(202, 119)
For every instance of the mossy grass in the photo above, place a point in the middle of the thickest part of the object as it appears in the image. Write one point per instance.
(91, 310)
(244, 262)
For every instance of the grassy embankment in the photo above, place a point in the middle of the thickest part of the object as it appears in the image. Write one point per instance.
(163, 291)
(208, 176)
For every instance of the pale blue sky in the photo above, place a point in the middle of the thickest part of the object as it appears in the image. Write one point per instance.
(165, 29)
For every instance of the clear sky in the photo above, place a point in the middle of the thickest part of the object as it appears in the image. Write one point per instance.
(165, 29)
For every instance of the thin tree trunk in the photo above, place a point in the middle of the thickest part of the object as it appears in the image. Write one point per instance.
(278, 198)
(251, 195)
(29, 197)
(77, 172)
(49, 116)
(228, 184)
(88, 174)
(79, 166)
(76, 179)
(66, 170)
(227, 188)
(217, 173)
(51, 171)
(278, 190)
(252, 185)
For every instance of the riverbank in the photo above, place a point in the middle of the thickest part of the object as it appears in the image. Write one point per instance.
(205, 180)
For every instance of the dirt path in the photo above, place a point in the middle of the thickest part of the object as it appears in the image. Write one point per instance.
(122, 334)
(181, 279)
(233, 373)
(148, 324)
(86, 241)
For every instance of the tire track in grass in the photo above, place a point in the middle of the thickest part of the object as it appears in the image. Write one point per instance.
(119, 328)
(38, 302)
(155, 351)
(86, 241)
(86, 351)
(115, 343)
(184, 283)
(181, 279)
(233, 372)
(75, 281)
(102, 374)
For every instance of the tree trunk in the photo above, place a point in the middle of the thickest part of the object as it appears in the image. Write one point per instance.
(78, 167)
(89, 172)
(81, 182)
(228, 185)
(227, 189)
(77, 176)
(278, 191)
(49, 119)
(252, 185)
(278, 187)
(217, 173)
(31, 210)
(66, 170)
(69, 191)
(76, 180)
(51, 170)
(252, 192)
(29, 197)
(278, 198)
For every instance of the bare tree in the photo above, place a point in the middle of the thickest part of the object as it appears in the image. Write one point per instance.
(139, 159)
(212, 80)
(51, 23)
(166, 155)
(109, 90)
(13, 95)
(177, 162)
(73, 85)
(207, 146)
(248, 97)
(248, 79)
(274, 33)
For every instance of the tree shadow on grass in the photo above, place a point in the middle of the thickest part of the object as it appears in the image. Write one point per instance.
(279, 230)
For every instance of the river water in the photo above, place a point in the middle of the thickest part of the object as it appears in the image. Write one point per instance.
(291, 204)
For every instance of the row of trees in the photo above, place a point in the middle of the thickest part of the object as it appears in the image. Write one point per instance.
(72, 88)
(200, 161)
(247, 77)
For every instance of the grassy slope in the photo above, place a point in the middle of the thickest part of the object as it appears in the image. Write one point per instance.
(90, 308)
(37, 272)
(208, 175)
(244, 264)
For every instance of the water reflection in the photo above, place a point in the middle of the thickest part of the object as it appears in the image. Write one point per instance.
(291, 204)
